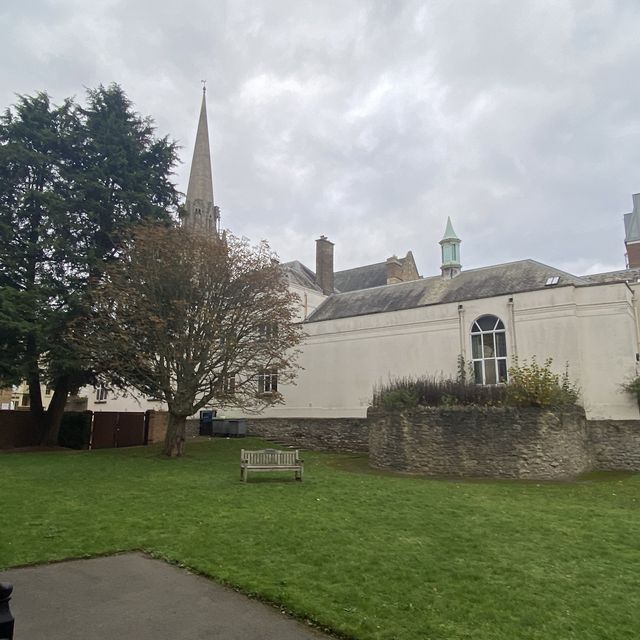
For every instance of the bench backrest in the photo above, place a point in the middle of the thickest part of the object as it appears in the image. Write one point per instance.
(269, 456)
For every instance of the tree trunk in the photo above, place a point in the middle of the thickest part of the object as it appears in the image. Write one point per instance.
(51, 419)
(33, 380)
(174, 440)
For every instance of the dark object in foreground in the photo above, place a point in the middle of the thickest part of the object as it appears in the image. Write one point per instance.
(212, 426)
(6, 619)
(229, 428)
(270, 460)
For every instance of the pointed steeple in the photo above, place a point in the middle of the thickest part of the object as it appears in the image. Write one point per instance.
(201, 214)
(450, 244)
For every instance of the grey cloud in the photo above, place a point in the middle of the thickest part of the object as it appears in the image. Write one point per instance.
(371, 122)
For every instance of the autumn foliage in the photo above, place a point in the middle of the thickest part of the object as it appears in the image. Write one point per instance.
(196, 322)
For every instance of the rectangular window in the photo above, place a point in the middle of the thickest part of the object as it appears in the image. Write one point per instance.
(488, 345)
(501, 345)
(268, 330)
(476, 345)
(490, 371)
(477, 372)
(26, 401)
(268, 381)
(101, 393)
(229, 385)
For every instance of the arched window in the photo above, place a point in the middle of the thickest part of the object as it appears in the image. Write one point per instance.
(489, 350)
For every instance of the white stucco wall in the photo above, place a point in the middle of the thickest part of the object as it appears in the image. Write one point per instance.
(119, 401)
(593, 329)
(309, 300)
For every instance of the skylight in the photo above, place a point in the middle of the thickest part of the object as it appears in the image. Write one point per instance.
(552, 280)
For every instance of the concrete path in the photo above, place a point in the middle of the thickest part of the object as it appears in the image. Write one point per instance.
(134, 597)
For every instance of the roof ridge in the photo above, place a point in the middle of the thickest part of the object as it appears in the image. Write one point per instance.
(364, 266)
(604, 273)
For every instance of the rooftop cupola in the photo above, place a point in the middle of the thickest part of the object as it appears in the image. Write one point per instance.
(450, 244)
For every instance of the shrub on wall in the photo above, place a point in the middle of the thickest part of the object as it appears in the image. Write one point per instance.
(633, 387)
(535, 385)
(403, 393)
(530, 385)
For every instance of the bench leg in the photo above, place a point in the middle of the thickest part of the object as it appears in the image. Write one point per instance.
(243, 474)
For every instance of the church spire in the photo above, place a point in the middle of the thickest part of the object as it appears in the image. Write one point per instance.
(201, 214)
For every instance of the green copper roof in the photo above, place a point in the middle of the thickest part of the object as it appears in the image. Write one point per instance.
(449, 233)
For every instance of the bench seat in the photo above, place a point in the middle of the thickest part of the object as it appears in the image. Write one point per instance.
(270, 460)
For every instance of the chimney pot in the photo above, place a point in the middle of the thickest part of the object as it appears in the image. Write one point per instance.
(394, 270)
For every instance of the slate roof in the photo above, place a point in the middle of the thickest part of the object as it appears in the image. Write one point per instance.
(624, 275)
(365, 277)
(502, 279)
(297, 274)
(370, 275)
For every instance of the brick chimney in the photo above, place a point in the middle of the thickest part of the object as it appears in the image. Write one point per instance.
(632, 234)
(394, 270)
(324, 265)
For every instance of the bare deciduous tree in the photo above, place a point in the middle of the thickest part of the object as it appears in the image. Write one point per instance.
(195, 321)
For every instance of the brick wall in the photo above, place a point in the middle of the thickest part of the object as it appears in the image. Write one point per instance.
(331, 434)
(633, 255)
(158, 421)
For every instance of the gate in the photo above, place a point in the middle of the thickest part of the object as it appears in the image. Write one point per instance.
(118, 429)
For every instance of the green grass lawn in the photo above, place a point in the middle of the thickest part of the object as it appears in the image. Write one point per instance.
(366, 555)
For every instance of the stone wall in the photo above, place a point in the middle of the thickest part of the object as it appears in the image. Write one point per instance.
(330, 434)
(615, 444)
(192, 427)
(481, 442)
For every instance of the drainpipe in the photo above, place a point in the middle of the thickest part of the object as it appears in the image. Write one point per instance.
(462, 333)
(635, 318)
(512, 321)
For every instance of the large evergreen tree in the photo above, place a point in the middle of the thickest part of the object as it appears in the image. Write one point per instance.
(73, 182)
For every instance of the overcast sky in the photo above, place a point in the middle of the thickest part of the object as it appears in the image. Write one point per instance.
(371, 122)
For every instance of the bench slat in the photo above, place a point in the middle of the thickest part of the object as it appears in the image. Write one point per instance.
(270, 460)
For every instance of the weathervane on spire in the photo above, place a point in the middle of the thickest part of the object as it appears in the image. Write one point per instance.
(204, 86)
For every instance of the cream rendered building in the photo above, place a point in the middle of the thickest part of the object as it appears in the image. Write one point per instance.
(366, 325)
(360, 338)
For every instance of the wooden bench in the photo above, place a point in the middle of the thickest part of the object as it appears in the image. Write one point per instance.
(270, 460)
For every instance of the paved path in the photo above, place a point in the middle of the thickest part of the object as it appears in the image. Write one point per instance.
(134, 597)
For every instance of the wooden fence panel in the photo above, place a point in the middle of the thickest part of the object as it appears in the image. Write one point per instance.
(18, 429)
(131, 430)
(118, 429)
